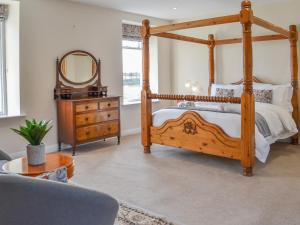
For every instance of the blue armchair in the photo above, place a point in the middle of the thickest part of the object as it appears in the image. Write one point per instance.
(29, 201)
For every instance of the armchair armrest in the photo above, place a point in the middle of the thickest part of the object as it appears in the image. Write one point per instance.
(4, 156)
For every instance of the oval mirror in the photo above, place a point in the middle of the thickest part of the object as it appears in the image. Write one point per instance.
(78, 67)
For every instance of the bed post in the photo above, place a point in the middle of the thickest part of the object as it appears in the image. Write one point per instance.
(146, 105)
(293, 37)
(247, 100)
(211, 61)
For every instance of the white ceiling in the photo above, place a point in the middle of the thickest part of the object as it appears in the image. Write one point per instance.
(164, 8)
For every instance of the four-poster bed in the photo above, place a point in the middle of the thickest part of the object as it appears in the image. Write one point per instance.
(190, 131)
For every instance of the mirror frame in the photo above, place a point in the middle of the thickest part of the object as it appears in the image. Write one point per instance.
(78, 83)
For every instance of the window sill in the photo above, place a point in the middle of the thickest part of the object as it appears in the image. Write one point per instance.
(137, 102)
(12, 116)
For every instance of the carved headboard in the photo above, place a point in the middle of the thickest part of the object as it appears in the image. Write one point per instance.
(255, 79)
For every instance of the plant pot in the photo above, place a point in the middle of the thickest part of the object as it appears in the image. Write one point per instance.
(36, 154)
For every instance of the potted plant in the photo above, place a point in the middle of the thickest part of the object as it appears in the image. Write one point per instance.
(34, 132)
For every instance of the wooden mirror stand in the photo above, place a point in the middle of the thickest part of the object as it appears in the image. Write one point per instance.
(68, 89)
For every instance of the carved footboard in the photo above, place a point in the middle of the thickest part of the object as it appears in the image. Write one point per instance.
(190, 131)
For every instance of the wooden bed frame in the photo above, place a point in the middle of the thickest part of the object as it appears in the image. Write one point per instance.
(190, 131)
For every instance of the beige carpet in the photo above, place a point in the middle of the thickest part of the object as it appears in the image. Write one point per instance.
(195, 189)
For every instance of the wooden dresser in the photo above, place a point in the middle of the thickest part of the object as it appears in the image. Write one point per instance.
(85, 120)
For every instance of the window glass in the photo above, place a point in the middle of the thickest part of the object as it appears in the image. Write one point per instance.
(132, 71)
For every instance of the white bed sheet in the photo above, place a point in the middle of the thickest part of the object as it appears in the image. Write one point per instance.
(279, 120)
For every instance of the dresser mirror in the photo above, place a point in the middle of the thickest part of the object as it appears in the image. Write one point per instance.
(78, 74)
(78, 67)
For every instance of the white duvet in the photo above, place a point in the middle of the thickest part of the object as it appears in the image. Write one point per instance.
(279, 120)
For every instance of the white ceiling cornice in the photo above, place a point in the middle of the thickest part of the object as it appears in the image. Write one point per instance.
(164, 9)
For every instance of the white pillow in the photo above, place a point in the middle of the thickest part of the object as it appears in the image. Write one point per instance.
(282, 94)
(238, 89)
(261, 86)
(214, 106)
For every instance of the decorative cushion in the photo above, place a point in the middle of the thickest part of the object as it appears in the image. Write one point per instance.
(222, 92)
(264, 96)
(186, 104)
(237, 89)
(59, 175)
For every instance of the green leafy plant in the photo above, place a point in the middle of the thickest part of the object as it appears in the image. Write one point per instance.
(34, 132)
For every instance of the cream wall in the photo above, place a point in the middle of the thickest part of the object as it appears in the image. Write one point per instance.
(271, 59)
(50, 28)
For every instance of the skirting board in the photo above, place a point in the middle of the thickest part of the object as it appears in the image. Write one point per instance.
(49, 149)
(54, 148)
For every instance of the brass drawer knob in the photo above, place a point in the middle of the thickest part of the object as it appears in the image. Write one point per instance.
(108, 115)
(86, 119)
(108, 104)
(86, 107)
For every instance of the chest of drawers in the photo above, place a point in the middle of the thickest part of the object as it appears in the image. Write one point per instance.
(86, 120)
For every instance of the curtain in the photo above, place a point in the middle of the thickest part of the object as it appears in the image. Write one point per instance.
(3, 12)
(131, 32)
(3, 94)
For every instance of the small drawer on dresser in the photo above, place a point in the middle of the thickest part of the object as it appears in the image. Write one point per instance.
(97, 131)
(111, 128)
(96, 117)
(83, 107)
(109, 104)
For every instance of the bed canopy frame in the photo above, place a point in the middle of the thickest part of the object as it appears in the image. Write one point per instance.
(191, 131)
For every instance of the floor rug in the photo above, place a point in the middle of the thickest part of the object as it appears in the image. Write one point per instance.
(129, 215)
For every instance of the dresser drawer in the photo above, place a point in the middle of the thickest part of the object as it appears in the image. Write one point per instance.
(83, 107)
(108, 104)
(97, 131)
(96, 117)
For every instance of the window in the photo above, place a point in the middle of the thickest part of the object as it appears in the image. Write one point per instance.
(3, 93)
(132, 64)
(132, 71)
(10, 59)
